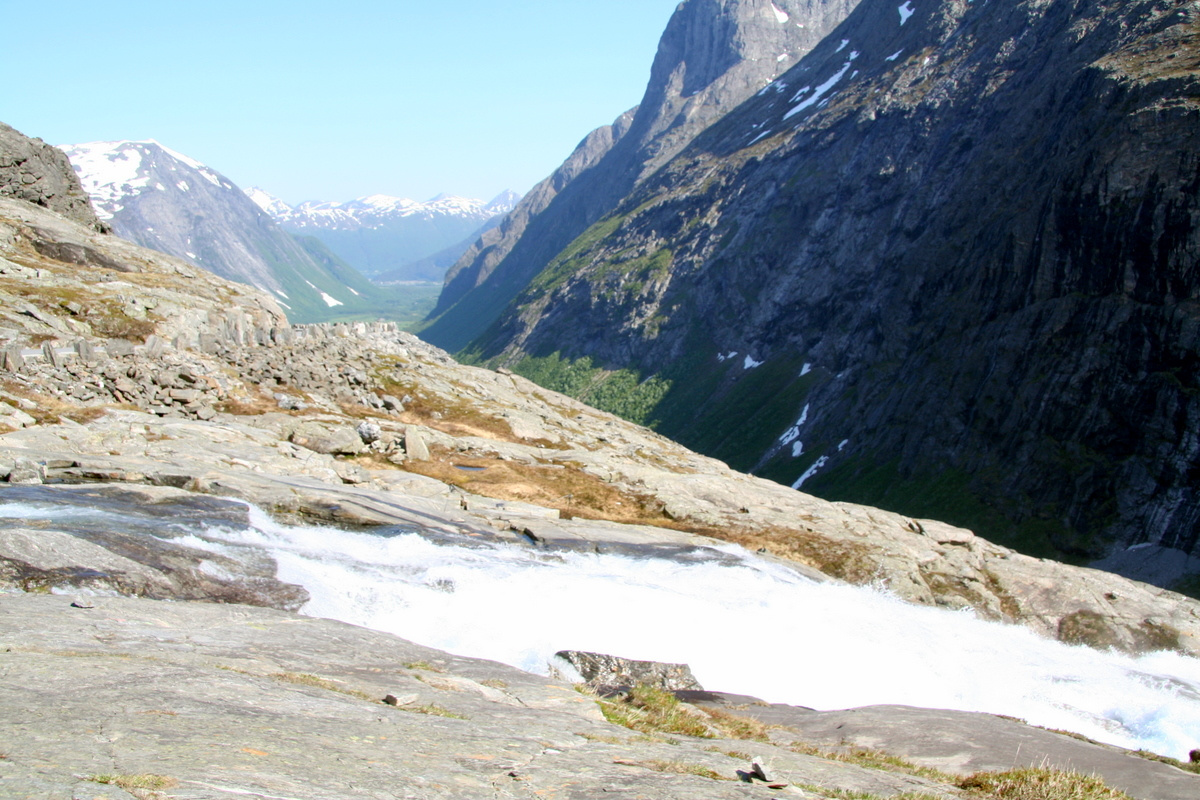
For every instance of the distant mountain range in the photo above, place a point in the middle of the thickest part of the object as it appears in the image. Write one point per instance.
(169, 202)
(392, 238)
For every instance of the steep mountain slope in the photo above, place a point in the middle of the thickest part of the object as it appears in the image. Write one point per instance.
(947, 264)
(713, 55)
(383, 234)
(174, 204)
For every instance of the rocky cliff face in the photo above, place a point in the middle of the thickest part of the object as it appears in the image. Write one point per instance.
(37, 173)
(167, 201)
(946, 264)
(713, 55)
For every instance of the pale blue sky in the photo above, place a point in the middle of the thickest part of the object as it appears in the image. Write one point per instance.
(334, 100)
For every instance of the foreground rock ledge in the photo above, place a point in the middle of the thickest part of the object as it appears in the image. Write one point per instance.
(230, 701)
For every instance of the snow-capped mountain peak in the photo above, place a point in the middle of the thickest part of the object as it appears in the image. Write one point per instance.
(377, 210)
(268, 202)
(114, 172)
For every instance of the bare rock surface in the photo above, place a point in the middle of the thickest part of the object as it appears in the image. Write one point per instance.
(35, 172)
(228, 701)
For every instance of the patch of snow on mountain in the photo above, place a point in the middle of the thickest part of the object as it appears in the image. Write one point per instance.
(894, 55)
(906, 11)
(281, 293)
(780, 14)
(807, 368)
(191, 255)
(797, 449)
(268, 202)
(183, 186)
(331, 302)
(726, 356)
(750, 363)
(842, 46)
(820, 91)
(842, 445)
(108, 172)
(808, 473)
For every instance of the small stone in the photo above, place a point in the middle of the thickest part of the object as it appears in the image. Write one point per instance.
(392, 403)
(401, 699)
(82, 602)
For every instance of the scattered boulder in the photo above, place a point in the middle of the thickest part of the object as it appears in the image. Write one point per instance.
(27, 472)
(607, 673)
(369, 432)
(414, 445)
(330, 440)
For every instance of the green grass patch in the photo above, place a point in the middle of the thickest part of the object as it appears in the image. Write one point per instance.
(651, 710)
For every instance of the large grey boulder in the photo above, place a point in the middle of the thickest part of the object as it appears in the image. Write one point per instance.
(328, 439)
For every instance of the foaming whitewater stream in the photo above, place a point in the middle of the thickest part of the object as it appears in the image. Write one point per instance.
(743, 624)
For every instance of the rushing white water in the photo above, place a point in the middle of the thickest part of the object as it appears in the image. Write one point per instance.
(743, 624)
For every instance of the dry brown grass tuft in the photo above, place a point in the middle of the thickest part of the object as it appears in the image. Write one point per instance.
(1040, 784)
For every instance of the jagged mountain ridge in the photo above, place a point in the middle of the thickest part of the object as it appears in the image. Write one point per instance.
(713, 55)
(390, 236)
(946, 265)
(172, 203)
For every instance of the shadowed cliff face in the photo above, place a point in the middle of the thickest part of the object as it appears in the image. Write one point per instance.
(954, 250)
(713, 55)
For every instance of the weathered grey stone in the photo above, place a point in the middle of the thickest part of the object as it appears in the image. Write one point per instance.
(12, 359)
(35, 172)
(331, 440)
(414, 445)
(119, 348)
(392, 403)
(608, 672)
(369, 432)
(26, 471)
(50, 354)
